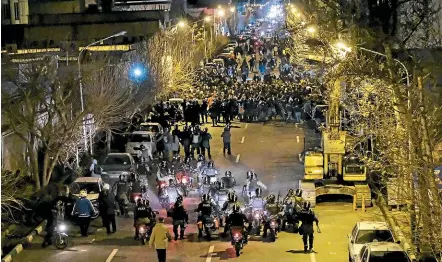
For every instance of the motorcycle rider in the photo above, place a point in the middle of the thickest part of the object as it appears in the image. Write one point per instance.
(256, 203)
(252, 184)
(164, 173)
(272, 209)
(205, 208)
(307, 217)
(201, 164)
(228, 206)
(210, 171)
(237, 219)
(143, 215)
(121, 188)
(180, 218)
(229, 180)
(135, 186)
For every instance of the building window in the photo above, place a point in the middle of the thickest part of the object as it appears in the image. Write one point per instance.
(6, 11)
(16, 11)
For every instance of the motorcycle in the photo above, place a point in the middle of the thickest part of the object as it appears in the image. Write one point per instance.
(237, 239)
(61, 239)
(164, 199)
(210, 226)
(273, 225)
(96, 209)
(257, 221)
(184, 182)
(143, 233)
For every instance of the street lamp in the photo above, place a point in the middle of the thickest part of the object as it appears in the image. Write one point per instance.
(311, 29)
(232, 9)
(81, 84)
(207, 19)
(182, 24)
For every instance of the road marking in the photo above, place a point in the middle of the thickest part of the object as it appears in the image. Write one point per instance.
(209, 254)
(297, 139)
(237, 158)
(247, 124)
(312, 257)
(111, 256)
(242, 140)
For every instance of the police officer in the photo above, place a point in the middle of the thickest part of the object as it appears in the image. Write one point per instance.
(121, 195)
(143, 215)
(228, 205)
(307, 217)
(299, 199)
(205, 208)
(229, 180)
(180, 218)
(237, 219)
(257, 202)
(272, 209)
(252, 184)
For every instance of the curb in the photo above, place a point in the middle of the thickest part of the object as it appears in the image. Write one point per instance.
(28, 239)
(395, 228)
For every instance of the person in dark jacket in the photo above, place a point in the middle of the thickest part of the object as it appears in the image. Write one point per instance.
(143, 215)
(205, 143)
(307, 217)
(180, 218)
(226, 140)
(107, 209)
(83, 210)
(204, 107)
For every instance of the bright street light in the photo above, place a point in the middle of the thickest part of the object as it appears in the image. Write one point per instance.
(221, 13)
(343, 46)
(181, 24)
(232, 9)
(294, 10)
(207, 19)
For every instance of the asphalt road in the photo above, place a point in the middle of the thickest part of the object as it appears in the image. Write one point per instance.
(271, 150)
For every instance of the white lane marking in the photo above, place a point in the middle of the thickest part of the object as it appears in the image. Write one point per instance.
(209, 254)
(242, 139)
(247, 124)
(237, 158)
(312, 257)
(297, 139)
(111, 256)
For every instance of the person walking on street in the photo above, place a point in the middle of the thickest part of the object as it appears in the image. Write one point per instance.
(185, 138)
(307, 217)
(159, 239)
(83, 210)
(196, 142)
(175, 145)
(107, 209)
(205, 143)
(226, 140)
(204, 107)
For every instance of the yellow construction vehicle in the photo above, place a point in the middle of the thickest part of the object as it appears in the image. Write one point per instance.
(333, 170)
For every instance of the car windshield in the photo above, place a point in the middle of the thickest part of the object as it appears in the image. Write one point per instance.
(368, 236)
(149, 128)
(387, 256)
(354, 169)
(117, 160)
(138, 138)
(91, 188)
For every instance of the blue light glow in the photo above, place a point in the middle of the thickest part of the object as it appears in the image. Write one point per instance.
(138, 73)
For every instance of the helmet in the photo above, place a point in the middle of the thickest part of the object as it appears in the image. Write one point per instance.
(290, 193)
(106, 187)
(83, 193)
(201, 157)
(231, 194)
(139, 201)
(306, 205)
(234, 198)
(258, 192)
(271, 198)
(298, 192)
(179, 199)
(206, 197)
(210, 165)
(228, 173)
(249, 174)
(236, 208)
(164, 164)
(122, 177)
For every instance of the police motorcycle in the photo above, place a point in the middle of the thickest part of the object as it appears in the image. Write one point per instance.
(292, 206)
(272, 217)
(61, 238)
(168, 194)
(208, 177)
(227, 207)
(238, 235)
(248, 190)
(142, 183)
(255, 212)
(184, 179)
(164, 176)
(209, 223)
(144, 155)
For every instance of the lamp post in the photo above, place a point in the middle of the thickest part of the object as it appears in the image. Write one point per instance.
(81, 84)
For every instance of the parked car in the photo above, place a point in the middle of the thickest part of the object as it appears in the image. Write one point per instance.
(138, 138)
(151, 127)
(382, 252)
(93, 187)
(116, 164)
(366, 232)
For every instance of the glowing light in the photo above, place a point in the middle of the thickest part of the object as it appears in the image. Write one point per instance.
(138, 73)
(311, 29)
(181, 24)
(232, 9)
(207, 19)
(221, 13)
(343, 46)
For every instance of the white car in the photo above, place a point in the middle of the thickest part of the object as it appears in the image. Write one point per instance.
(366, 232)
(138, 138)
(151, 127)
(92, 185)
(382, 252)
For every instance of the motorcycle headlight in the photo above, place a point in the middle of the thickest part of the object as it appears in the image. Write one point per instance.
(136, 198)
(142, 230)
(62, 227)
(184, 180)
(257, 216)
